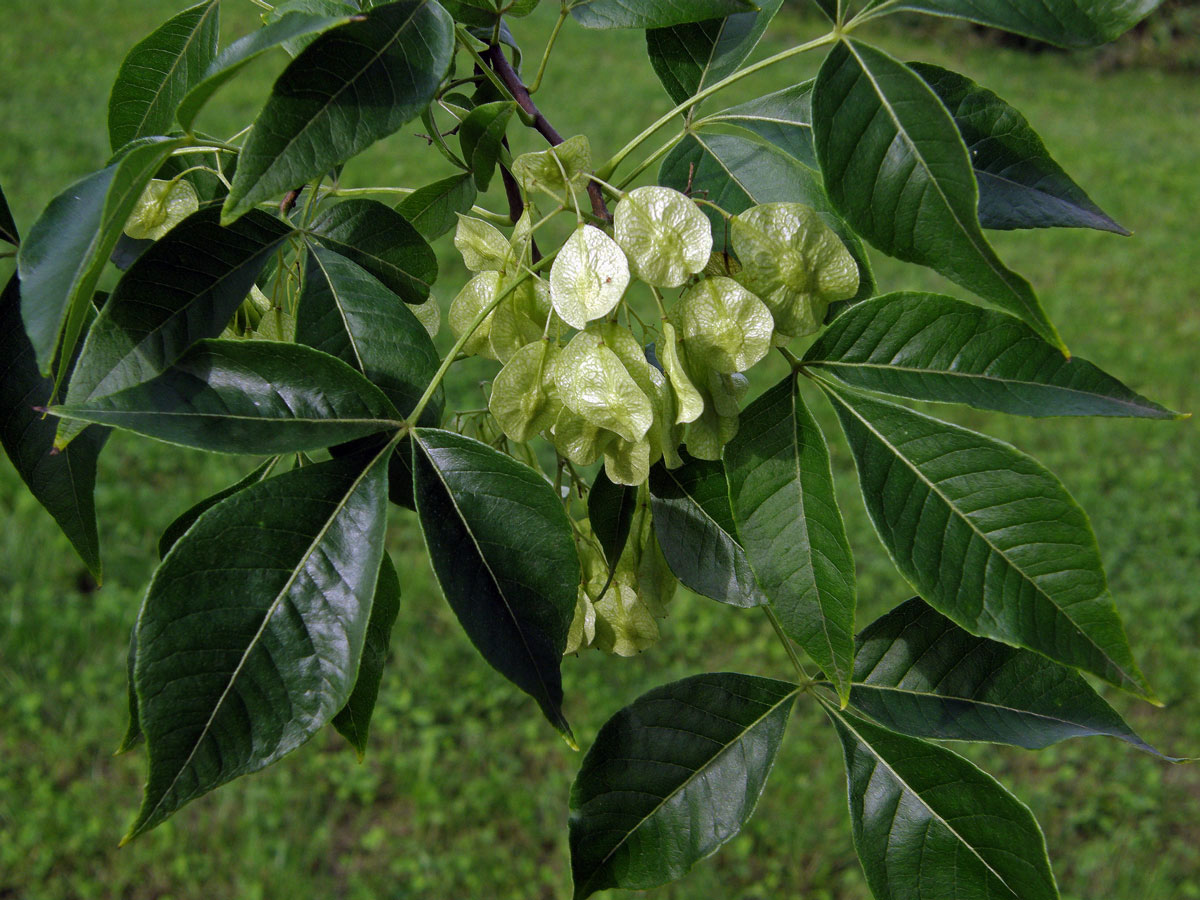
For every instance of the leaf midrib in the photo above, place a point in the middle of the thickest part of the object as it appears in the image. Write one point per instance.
(970, 524)
(347, 83)
(212, 6)
(339, 507)
(905, 785)
(919, 370)
(790, 695)
(984, 250)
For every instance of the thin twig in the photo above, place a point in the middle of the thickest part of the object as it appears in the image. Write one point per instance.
(503, 68)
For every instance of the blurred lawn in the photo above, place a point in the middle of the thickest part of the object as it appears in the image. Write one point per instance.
(463, 793)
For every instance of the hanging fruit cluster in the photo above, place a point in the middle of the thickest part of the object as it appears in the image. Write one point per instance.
(577, 376)
(601, 393)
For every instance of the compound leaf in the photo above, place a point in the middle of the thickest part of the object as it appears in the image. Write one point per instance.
(1067, 23)
(281, 32)
(918, 673)
(353, 721)
(927, 824)
(695, 529)
(61, 258)
(610, 510)
(346, 312)
(8, 227)
(653, 13)
(165, 301)
(247, 397)
(434, 209)
(480, 135)
(1020, 184)
(688, 58)
(159, 71)
(383, 242)
(62, 482)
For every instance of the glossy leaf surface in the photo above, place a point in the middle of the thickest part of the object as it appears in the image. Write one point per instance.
(929, 825)
(896, 168)
(781, 491)
(434, 209)
(63, 254)
(62, 482)
(247, 397)
(480, 135)
(502, 550)
(783, 119)
(353, 721)
(967, 519)
(350, 87)
(688, 58)
(279, 33)
(383, 242)
(1068, 23)
(159, 71)
(250, 636)
(739, 172)
(165, 302)
(934, 347)
(185, 520)
(918, 673)
(696, 531)
(346, 312)
(673, 776)
(8, 228)
(652, 13)
(1020, 184)
(610, 510)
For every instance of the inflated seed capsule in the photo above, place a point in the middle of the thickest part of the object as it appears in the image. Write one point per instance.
(524, 400)
(594, 383)
(472, 300)
(523, 316)
(588, 277)
(724, 325)
(483, 246)
(664, 234)
(794, 263)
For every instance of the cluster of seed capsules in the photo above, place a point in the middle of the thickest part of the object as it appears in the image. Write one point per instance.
(576, 376)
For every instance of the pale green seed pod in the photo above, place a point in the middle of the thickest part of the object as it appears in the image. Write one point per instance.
(627, 462)
(724, 325)
(794, 263)
(522, 317)
(429, 314)
(594, 384)
(162, 206)
(471, 300)
(483, 246)
(689, 403)
(664, 234)
(544, 170)
(578, 439)
(588, 277)
(524, 400)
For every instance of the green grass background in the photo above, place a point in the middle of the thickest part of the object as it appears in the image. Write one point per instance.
(463, 792)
